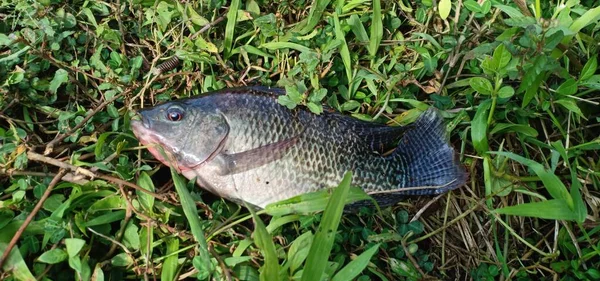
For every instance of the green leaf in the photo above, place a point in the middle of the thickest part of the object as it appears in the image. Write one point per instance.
(60, 77)
(376, 28)
(555, 209)
(444, 8)
(4, 40)
(74, 245)
(165, 12)
(312, 202)
(53, 256)
(506, 92)
(355, 267)
(191, 214)
(569, 87)
(512, 12)
(317, 8)
(169, 266)
(589, 17)
(299, 251)
(518, 128)
(286, 45)
(479, 128)
(230, 27)
(589, 69)
(570, 105)
(552, 183)
(315, 108)
(481, 85)
(358, 29)
(501, 57)
(264, 241)
(146, 200)
(325, 236)
(15, 264)
(344, 50)
(122, 259)
(472, 6)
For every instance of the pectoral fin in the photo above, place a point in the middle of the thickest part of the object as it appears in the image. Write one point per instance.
(254, 158)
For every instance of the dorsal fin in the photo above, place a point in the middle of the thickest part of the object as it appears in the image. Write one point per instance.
(378, 137)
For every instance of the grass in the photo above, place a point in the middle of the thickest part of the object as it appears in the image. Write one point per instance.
(517, 82)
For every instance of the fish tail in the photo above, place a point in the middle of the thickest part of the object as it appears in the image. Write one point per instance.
(433, 165)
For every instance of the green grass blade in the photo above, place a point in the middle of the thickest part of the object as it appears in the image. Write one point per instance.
(358, 29)
(312, 202)
(355, 267)
(344, 51)
(325, 236)
(230, 27)
(264, 242)
(552, 183)
(479, 128)
(554, 209)
(285, 45)
(15, 264)
(314, 15)
(169, 268)
(589, 17)
(376, 29)
(191, 214)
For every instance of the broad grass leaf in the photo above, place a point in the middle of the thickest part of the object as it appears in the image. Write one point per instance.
(286, 45)
(53, 256)
(376, 28)
(230, 27)
(15, 264)
(570, 105)
(552, 183)
(318, 255)
(589, 17)
(106, 218)
(264, 241)
(358, 29)
(170, 264)
(314, 15)
(512, 12)
(517, 128)
(191, 214)
(299, 251)
(479, 128)
(589, 69)
(344, 51)
(146, 200)
(277, 222)
(568, 87)
(312, 202)
(444, 8)
(355, 267)
(554, 209)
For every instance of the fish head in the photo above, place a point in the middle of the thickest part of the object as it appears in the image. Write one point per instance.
(181, 135)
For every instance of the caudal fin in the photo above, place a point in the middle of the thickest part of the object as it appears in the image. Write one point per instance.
(433, 165)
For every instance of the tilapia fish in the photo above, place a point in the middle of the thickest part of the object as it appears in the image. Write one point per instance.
(241, 144)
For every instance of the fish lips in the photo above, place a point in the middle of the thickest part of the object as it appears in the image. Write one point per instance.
(162, 151)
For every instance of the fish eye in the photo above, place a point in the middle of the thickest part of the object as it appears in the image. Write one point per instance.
(174, 114)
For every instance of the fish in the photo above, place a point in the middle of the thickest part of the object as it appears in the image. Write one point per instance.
(243, 145)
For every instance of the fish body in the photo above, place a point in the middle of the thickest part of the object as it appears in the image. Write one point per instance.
(241, 144)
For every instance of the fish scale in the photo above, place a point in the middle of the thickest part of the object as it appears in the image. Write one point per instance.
(270, 153)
